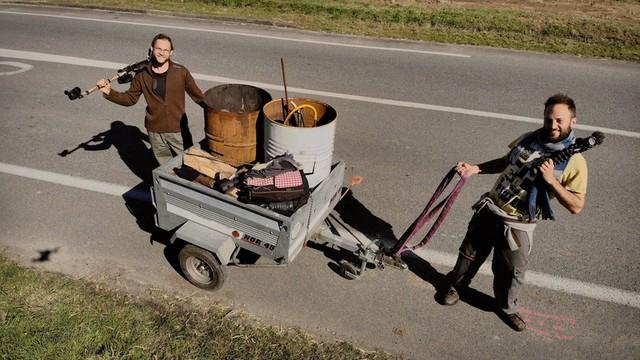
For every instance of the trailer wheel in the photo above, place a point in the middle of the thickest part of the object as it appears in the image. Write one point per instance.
(348, 270)
(201, 268)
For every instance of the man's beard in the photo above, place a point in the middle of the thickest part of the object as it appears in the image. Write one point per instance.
(156, 63)
(548, 133)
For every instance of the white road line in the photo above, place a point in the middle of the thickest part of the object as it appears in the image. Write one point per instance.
(37, 56)
(21, 67)
(59, 59)
(234, 33)
(576, 287)
(66, 180)
(547, 281)
(76, 182)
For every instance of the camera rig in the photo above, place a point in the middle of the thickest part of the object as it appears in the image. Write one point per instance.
(123, 76)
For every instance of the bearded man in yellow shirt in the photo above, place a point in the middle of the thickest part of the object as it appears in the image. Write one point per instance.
(504, 223)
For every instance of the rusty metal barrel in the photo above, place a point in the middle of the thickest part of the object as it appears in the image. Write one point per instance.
(232, 122)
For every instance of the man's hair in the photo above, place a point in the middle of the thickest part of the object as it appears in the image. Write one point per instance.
(559, 99)
(161, 37)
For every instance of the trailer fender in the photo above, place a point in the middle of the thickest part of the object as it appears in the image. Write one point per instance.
(221, 245)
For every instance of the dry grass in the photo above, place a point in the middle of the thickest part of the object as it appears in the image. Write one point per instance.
(603, 28)
(46, 316)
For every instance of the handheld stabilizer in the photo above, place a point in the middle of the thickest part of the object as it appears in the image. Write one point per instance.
(123, 76)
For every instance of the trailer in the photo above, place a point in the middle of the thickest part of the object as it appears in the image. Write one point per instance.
(215, 227)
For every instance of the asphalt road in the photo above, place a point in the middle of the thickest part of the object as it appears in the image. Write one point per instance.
(407, 111)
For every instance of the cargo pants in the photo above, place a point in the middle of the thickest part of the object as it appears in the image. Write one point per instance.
(487, 231)
(165, 145)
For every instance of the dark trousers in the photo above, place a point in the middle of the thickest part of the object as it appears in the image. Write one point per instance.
(486, 231)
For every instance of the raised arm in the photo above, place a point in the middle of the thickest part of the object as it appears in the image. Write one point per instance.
(127, 98)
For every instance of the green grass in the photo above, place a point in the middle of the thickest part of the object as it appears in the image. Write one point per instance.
(49, 316)
(547, 31)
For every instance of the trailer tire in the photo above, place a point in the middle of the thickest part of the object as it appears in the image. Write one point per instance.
(201, 268)
(348, 270)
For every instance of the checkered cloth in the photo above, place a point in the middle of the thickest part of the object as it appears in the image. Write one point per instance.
(285, 180)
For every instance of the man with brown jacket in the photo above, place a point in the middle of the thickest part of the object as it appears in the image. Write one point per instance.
(163, 84)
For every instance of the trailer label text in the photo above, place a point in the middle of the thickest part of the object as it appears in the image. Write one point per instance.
(257, 242)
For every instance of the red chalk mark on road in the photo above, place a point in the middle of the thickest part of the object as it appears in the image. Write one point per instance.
(550, 326)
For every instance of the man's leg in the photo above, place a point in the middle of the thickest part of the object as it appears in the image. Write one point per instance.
(160, 148)
(509, 267)
(175, 142)
(474, 250)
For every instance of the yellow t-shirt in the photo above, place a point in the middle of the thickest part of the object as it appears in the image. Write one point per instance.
(574, 176)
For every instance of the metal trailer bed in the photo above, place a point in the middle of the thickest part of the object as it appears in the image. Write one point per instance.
(215, 226)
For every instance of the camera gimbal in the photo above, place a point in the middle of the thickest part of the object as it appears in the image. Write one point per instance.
(123, 76)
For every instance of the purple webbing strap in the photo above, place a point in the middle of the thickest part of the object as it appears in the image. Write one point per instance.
(428, 213)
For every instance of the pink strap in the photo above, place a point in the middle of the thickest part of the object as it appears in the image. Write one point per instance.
(428, 213)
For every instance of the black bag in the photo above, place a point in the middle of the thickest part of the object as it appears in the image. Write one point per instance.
(278, 185)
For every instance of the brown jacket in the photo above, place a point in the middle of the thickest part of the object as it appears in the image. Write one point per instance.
(161, 115)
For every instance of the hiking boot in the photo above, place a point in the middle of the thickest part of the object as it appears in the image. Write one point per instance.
(451, 297)
(515, 321)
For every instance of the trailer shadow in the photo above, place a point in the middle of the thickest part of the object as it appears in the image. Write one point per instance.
(335, 255)
(359, 217)
(356, 215)
(138, 202)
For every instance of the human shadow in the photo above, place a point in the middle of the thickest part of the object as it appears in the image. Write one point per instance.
(423, 269)
(479, 300)
(187, 137)
(129, 141)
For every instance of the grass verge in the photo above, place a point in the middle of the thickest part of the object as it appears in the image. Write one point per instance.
(49, 316)
(543, 28)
